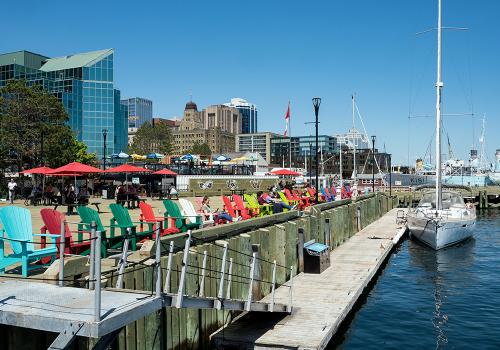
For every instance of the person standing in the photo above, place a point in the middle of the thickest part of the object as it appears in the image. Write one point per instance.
(12, 190)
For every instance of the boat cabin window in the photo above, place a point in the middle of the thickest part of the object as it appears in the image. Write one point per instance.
(450, 200)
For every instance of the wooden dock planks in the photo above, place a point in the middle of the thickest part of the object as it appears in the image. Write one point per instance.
(320, 302)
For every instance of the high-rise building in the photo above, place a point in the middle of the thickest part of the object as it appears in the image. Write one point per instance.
(84, 83)
(140, 110)
(248, 112)
(226, 118)
(258, 142)
(216, 126)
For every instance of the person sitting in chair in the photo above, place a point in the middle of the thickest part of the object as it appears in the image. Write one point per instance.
(207, 211)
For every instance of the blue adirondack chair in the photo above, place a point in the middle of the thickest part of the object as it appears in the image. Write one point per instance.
(17, 230)
(328, 198)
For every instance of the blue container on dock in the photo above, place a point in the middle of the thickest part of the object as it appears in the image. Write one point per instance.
(316, 257)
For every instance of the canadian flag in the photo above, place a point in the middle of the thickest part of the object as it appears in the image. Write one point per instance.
(287, 119)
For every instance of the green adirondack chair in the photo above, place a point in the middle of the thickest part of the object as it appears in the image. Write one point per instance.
(253, 203)
(121, 219)
(18, 227)
(87, 215)
(181, 222)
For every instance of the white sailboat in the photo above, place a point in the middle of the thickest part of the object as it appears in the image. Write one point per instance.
(441, 218)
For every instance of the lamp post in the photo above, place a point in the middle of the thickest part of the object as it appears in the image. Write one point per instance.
(310, 163)
(390, 175)
(373, 163)
(316, 103)
(104, 136)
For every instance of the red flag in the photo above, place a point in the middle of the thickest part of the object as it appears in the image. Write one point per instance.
(287, 119)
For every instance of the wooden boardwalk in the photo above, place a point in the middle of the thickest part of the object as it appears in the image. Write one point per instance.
(320, 301)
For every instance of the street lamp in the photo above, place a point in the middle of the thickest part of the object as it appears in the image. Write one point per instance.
(104, 135)
(316, 103)
(373, 163)
(390, 175)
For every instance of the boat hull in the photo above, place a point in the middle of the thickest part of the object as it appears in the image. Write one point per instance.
(441, 233)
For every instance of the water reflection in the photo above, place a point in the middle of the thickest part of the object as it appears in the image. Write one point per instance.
(449, 270)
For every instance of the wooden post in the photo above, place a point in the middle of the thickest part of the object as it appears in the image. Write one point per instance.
(257, 273)
(182, 281)
(166, 289)
(300, 248)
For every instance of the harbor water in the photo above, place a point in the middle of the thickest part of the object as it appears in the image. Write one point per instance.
(423, 299)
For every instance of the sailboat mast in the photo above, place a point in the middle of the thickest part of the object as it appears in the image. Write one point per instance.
(439, 86)
(355, 172)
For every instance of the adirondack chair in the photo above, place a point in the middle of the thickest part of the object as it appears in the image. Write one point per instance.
(330, 195)
(121, 219)
(241, 208)
(326, 196)
(291, 199)
(17, 230)
(148, 216)
(303, 200)
(108, 241)
(229, 207)
(312, 194)
(284, 199)
(254, 205)
(52, 223)
(180, 221)
(188, 210)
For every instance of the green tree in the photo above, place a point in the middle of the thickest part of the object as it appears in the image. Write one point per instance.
(32, 121)
(149, 139)
(201, 149)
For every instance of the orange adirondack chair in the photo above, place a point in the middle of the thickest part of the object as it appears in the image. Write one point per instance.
(148, 216)
(52, 220)
(240, 207)
(229, 207)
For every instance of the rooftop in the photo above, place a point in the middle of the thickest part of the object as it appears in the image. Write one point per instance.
(75, 61)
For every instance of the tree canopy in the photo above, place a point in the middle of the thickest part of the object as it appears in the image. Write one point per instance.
(200, 148)
(34, 129)
(152, 139)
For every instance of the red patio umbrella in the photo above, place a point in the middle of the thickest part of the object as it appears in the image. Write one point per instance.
(43, 170)
(127, 168)
(285, 172)
(75, 169)
(164, 172)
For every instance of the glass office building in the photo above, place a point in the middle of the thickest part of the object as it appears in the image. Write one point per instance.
(248, 112)
(140, 110)
(84, 83)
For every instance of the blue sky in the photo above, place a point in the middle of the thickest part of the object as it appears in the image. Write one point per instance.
(271, 51)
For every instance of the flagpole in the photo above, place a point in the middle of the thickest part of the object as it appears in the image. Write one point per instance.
(290, 135)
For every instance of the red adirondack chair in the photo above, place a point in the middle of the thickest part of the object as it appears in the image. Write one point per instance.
(229, 207)
(303, 200)
(240, 207)
(290, 197)
(148, 216)
(52, 223)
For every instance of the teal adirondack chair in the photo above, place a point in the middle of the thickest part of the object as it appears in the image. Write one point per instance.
(181, 222)
(16, 224)
(121, 219)
(87, 215)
